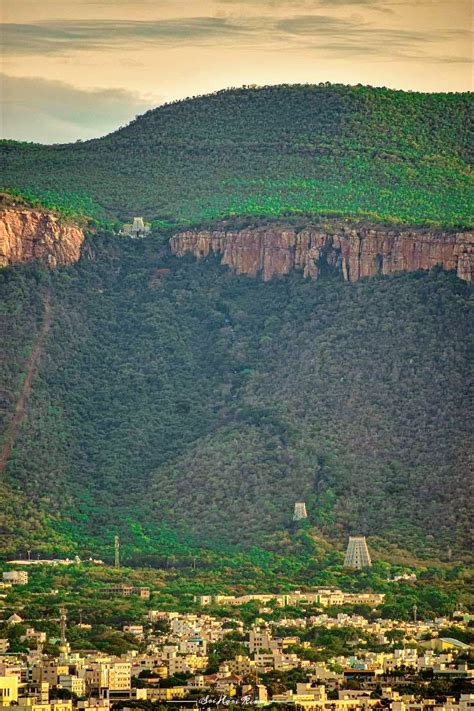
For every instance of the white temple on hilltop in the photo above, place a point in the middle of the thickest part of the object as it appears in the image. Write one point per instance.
(137, 229)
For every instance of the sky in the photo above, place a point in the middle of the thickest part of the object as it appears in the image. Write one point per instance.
(77, 69)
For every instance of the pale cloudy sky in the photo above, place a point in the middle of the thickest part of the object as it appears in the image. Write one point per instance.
(80, 68)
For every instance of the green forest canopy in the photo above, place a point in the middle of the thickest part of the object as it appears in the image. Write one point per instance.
(206, 403)
(272, 151)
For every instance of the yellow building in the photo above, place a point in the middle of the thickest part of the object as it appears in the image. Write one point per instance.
(174, 692)
(41, 694)
(186, 663)
(50, 672)
(53, 706)
(72, 683)
(241, 665)
(120, 676)
(94, 704)
(8, 690)
(115, 676)
(443, 644)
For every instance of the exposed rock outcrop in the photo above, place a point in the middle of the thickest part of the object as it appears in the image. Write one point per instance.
(356, 251)
(28, 234)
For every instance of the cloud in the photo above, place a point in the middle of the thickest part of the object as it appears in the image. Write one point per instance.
(39, 110)
(327, 34)
(353, 37)
(381, 6)
(287, 4)
(67, 35)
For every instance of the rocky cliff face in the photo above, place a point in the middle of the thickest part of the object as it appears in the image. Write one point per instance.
(28, 234)
(354, 251)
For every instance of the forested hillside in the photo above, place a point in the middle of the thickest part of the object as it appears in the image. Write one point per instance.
(329, 149)
(173, 395)
(179, 404)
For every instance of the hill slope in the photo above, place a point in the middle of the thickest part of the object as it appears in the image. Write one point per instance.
(197, 400)
(314, 149)
(164, 397)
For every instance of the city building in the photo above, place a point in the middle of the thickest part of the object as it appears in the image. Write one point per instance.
(72, 683)
(136, 630)
(372, 659)
(104, 677)
(8, 690)
(126, 590)
(324, 597)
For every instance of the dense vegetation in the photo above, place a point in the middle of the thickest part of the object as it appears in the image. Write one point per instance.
(392, 155)
(193, 406)
(181, 405)
(438, 591)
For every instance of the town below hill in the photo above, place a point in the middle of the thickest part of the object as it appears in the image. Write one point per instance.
(89, 637)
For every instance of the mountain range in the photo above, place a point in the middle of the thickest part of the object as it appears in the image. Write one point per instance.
(296, 327)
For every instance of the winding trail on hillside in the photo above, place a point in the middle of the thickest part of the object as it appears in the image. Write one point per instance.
(31, 370)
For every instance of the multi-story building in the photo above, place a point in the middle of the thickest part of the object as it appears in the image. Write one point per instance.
(259, 639)
(26, 705)
(72, 683)
(8, 690)
(48, 671)
(127, 590)
(371, 599)
(193, 645)
(33, 635)
(93, 705)
(173, 692)
(186, 663)
(325, 597)
(103, 677)
(242, 666)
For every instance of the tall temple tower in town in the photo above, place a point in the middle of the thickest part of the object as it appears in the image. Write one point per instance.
(357, 553)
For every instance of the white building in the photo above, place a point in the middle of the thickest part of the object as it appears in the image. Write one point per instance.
(16, 577)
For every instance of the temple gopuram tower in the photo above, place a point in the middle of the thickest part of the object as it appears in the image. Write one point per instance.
(300, 511)
(357, 553)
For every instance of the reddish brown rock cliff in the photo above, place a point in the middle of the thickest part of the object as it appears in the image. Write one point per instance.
(28, 234)
(356, 251)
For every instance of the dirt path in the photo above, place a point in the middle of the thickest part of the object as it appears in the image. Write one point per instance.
(31, 370)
